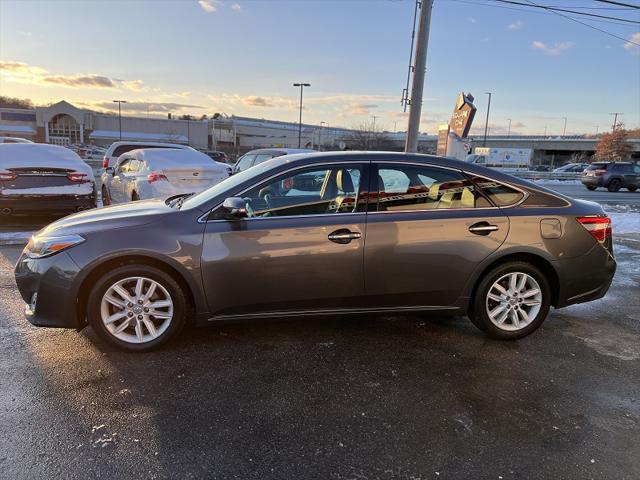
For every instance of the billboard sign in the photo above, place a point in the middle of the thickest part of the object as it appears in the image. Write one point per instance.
(443, 139)
(462, 116)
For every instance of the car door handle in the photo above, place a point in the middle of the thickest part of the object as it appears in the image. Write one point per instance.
(482, 228)
(343, 236)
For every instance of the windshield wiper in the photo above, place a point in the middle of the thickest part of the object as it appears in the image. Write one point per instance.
(180, 200)
(177, 199)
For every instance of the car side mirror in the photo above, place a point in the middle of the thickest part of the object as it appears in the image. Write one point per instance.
(234, 208)
(110, 170)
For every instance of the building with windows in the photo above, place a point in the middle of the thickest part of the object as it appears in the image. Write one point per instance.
(65, 124)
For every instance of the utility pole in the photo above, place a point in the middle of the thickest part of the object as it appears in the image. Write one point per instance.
(615, 119)
(301, 85)
(486, 122)
(509, 128)
(415, 107)
(597, 128)
(320, 139)
(120, 102)
(545, 131)
(564, 130)
(374, 122)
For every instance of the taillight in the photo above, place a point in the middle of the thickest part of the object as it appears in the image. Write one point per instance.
(156, 177)
(599, 172)
(598, 227)
(78, 177)
(5, 175)
(105, 162)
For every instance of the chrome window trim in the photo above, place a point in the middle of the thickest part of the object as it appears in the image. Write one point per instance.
(526, 194)
(202, 218)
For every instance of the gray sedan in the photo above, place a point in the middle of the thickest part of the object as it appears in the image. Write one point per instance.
(317, 234)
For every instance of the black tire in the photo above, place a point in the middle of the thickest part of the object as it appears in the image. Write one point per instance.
(614, 185)
(478, 311)
(134, 197)
(590, 187)
(106, 199)
(94, 301)
(632, 189)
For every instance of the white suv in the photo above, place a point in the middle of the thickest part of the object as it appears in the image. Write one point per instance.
(118, 148)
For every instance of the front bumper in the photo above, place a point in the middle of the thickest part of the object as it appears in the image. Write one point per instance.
(46, 204)
(52, 279)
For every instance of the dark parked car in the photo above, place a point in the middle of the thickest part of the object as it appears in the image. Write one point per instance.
(322, 234)
(612, 175)
(36, 178)
(256, 157)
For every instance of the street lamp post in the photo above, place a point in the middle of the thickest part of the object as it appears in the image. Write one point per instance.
(120, 102)
(486, 122)
(564, 130)
(301, 85)
(374, 122)
(509, 128)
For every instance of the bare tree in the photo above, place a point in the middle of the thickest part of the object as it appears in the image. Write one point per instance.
(613, 146)
(367, 136)
(10, 102)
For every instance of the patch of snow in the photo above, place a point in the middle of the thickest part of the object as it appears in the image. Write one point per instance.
(549, 181)
(623, 223)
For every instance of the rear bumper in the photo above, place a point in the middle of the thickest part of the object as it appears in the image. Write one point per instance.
(45, 204)
(51, 278)
(590, 181)
(585, 278)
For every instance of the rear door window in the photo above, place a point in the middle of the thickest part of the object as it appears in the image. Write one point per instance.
(501, 195)
(415, 187)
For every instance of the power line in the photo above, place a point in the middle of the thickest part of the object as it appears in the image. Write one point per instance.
(585, 24)
(528, 9)
(555, 9)
(621, 4)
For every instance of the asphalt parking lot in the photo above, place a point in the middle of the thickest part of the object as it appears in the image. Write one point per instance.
(337, 397)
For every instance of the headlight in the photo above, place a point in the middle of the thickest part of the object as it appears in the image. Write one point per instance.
(45, 246)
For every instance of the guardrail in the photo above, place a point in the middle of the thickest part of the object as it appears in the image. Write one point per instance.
(529, 175)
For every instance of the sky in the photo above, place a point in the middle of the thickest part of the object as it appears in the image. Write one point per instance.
(241, 57)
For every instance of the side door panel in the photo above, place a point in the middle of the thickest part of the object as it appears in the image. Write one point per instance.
(271, 264)
(282, 259)
(425, 258)
(427, 230)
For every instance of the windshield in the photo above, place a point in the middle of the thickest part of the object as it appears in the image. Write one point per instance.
(228, 184)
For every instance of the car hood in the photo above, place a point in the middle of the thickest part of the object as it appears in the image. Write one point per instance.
(117, 216)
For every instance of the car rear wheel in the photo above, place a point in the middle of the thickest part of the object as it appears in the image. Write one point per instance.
(136, 307)
(511, 301)
(134, 197)
(106, 199)
(614, 185)
(632, 189)
(591, 187)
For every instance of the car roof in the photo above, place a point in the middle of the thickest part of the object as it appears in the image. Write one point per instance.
(284, 151)
(115, 145)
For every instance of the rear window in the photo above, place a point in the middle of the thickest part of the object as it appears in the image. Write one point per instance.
(127, 148)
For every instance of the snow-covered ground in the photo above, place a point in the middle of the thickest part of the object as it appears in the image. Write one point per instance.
(625, 219)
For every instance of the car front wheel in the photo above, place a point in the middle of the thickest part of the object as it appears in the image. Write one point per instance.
(511, 301)
(591, 187)
(136, 307)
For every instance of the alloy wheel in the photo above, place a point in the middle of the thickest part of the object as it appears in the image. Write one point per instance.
(514, 301)
(136, 309)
